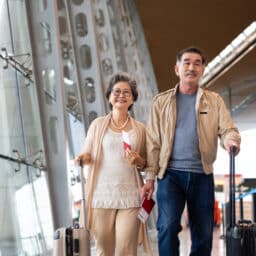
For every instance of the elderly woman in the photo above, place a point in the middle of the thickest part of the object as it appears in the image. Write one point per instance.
(114, 180)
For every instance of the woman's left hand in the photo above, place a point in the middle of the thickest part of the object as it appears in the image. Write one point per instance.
(134, 158)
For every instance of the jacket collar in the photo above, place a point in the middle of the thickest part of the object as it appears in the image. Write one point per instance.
(175, 90)
(199, 94)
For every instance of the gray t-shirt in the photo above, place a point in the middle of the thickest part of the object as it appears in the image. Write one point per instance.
(185, 153)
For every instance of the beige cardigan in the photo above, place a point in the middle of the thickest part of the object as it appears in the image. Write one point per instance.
(93, 146)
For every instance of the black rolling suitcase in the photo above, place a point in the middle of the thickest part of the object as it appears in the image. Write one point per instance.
(241, 236)
(73, 241)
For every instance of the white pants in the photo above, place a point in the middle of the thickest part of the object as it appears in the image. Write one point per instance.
(115, 228)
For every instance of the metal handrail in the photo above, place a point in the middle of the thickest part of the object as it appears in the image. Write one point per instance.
(23, 161)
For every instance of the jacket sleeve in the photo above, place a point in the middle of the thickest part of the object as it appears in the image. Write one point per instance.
(143, 150)
(153, 139)
(226, 131)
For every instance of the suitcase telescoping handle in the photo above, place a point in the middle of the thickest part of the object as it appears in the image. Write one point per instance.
(232, 210)
(82, 181)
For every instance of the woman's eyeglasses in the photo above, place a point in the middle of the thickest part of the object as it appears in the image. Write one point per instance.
(118, 92)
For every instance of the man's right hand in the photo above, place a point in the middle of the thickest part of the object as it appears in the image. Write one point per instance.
(148, 189)
(84, 158)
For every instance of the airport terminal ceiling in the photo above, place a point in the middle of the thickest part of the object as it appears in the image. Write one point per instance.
(171, 25)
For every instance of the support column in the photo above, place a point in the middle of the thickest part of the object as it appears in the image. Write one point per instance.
(48, 75)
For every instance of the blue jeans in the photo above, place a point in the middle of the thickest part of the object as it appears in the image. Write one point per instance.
(173, 191)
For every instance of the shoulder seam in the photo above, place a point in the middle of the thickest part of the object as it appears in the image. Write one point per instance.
(164, 93)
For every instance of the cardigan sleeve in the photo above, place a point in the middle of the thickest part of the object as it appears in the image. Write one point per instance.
(87, 148)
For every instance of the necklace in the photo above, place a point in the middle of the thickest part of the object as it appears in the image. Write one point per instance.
(122, 126)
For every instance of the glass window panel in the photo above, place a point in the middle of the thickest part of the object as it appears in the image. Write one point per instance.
(89, 90)
(110, 12)
(72, 101)
(62, 25)
(10, 122)
(31, 120)
(41, 5)
(53, 124)
(65, 47)
(85, 56)
(66, 72)
(45, 35)
(43, 204)
(135, 65)
(34, 216)
(76, 132)
(103, 42)
(130, 35)
(92, 116)
(127, 21)
(67, 79)
(26, 227)
(77, 2)
(99, 18)
(49, 83)
(81, 24)
(69, 83)
(107, 67)
(60, 4)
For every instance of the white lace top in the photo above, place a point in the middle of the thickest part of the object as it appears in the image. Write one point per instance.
(116, 186)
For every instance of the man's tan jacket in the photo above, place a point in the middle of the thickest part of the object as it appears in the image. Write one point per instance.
(213, 121)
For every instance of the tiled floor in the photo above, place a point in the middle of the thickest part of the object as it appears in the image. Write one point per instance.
(218, 243)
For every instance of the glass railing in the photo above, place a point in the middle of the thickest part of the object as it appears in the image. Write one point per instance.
(25, 212)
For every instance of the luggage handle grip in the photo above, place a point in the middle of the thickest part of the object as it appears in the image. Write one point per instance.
(233, 150)
(80, 162)
(232, 185)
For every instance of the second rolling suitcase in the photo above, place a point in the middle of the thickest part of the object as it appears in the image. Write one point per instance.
(241, 236)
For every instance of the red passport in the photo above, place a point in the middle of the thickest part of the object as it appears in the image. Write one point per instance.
(145, 209)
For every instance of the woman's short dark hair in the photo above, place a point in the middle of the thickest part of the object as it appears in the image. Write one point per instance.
(192, 49)
(122, 77)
